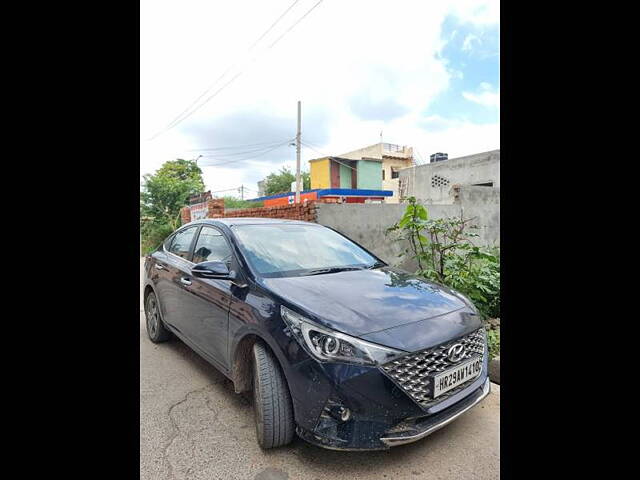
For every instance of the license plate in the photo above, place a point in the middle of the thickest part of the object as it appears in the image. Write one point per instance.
(455, 376)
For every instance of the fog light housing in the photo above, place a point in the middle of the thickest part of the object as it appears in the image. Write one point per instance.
(338, 412)
(345, 414)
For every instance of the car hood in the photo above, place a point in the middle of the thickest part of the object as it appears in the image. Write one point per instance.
(365, 301)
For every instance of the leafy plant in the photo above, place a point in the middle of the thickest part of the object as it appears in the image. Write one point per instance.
(493, 339)
(444, 254)
(152, 235)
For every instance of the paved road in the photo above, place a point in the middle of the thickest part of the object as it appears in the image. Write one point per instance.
(193, 426)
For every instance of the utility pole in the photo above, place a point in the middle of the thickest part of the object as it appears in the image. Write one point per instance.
(241, 192)
(298, 186)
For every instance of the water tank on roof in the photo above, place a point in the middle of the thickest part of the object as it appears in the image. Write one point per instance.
(438, 157)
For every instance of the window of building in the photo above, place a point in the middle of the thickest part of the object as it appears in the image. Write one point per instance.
(486, 184)
(395, 173)
(383, 174)
(438, 181)
(211, 247)
(182, 242)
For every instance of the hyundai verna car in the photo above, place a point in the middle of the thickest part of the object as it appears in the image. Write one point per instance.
(334, 344)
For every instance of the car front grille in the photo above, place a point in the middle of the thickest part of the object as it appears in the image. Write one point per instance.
(414, 372)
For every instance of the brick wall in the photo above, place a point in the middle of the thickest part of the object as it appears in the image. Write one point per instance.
(305, 211)
(216, 208)
(185, 215)
(300, 211)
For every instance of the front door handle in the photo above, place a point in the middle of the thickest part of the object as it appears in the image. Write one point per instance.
(185, 281)
(159, 267)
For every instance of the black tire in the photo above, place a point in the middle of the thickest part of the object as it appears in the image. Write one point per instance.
(271, 400)
(155, 327)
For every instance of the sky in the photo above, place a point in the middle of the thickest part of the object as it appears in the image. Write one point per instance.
(423, 74)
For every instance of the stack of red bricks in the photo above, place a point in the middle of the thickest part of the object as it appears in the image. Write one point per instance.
(301, 211)
(185, 215)
(215, 208)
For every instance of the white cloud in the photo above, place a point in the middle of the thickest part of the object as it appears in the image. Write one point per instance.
(478, 13)
(467, 45)
(485, 96)
(382, 53)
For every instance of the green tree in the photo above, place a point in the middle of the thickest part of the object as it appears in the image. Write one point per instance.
(280, 182)
(163, 195)
(168, 190)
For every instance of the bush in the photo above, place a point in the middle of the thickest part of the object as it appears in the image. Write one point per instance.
(233, 202)
(444, 253)
(493, 339)
(152, 235)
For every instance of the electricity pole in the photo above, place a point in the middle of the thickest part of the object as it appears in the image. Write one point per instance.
(241, 192)
(298, 186)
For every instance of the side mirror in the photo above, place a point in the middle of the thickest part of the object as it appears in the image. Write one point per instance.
(212, 270)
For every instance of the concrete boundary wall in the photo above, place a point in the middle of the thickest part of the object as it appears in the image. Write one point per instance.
(367, 223)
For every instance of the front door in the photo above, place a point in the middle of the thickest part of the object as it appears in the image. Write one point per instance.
(209, 299)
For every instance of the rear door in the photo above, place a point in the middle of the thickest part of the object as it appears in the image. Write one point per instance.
(177, 279)
(159, 275)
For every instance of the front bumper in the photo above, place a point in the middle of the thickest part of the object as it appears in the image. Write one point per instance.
(382, 416)
(419, 430)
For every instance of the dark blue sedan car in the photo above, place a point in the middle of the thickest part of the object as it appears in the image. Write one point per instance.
(336, 346)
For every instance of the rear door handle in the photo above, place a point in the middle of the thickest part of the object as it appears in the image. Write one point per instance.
(185, 281)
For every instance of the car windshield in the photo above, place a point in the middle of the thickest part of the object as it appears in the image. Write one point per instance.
(281, 250)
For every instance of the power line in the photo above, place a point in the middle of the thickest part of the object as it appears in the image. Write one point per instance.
(237, 189)
(226, 190)
(292, 26)
(178, 120)
(248, 158)
(231, 155)
(333, 158)
(308, 145)
(273, 24)
(253, 59)
(230, 147)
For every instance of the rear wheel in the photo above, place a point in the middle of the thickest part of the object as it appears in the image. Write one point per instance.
(271, 400)
(155, 328)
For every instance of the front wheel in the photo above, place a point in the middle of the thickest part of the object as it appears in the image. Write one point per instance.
(271, 400)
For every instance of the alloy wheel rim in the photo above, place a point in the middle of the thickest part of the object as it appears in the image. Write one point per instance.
(152, 316)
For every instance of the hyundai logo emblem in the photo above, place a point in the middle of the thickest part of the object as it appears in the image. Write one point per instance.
(455, 352)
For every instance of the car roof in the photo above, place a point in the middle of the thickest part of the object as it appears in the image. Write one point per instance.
(230, 221)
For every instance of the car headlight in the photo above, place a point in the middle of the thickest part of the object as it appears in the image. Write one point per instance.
(331, 346)
(466, 300)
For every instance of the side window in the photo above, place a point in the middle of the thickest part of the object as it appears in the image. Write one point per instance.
(211, 247)
(167, 242)
(182, 242)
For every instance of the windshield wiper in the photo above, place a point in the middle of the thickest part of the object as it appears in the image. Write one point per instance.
(320, 271)
(376, 265)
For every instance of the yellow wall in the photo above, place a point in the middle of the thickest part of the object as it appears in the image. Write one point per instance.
(320, 174)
